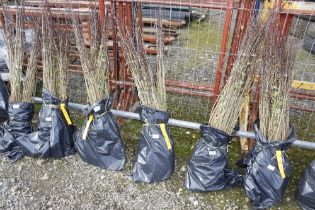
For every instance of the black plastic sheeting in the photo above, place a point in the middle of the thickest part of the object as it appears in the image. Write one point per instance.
(305, 194)
(18, 124)
(207, 168)
(263, 182)
(103, 146)
(53, 138)
(155, 160)
(4, 98)
(169, 8)
(167, 15)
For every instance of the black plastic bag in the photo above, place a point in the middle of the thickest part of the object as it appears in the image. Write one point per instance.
(155, 160)
(268, 170)
(305, 194)
(207, 168)
(4, 98)
(18, 124)
(54, 135)
(99, 142)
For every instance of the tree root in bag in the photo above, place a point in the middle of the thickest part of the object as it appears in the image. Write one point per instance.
(18, 124)
(207, 168)
(268, 170)
(99, 142)
(54, 135)
(305, 194)
(4, 98)
(155, 159)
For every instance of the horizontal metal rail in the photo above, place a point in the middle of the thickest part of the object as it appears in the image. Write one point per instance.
(182, 124)
(286, 7)
(200, 90)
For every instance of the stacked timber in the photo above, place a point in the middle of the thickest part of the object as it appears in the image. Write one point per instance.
(172, 18)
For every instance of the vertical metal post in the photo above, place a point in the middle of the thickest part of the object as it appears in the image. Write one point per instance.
(285, 23)
(101, 10)
(2, 22)
(121, 16)
(129, 18)
(224, 43)
(115, 44)
(242, 18)
(139, 17)
(129, 28)
(285, 19)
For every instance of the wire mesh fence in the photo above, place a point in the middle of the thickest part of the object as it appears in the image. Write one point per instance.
(200, 39)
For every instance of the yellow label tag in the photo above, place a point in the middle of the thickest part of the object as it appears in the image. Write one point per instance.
(303, 85)
(65, 113)
(87, 126)
(280, 163)
(166, 138)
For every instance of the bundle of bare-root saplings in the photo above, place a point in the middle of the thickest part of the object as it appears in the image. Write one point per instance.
(269, 169)
(207, 168)
(53, 137)
(21, 107)
(98, 142)
(155, 159)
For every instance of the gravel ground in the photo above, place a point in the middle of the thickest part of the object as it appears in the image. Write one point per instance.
(69, 183)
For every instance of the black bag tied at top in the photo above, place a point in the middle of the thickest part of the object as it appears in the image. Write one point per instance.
(54, 135)
(207, 167)
(18, 124)
(99, 141)
(268, 170)
(155, 159)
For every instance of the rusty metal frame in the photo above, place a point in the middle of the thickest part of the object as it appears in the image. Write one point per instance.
(242, 18)
(121, 80)
(224, 46)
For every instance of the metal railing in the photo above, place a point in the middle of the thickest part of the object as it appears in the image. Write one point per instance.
(182, 124)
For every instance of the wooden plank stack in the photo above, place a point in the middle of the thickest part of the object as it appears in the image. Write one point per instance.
(173, 18)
